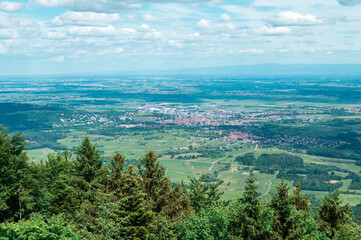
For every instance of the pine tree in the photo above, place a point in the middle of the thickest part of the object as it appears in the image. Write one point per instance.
(300, 200)
(160, 194)
(203, 194)
(62, 184)
(332, 215)
(115, 179)
(88, 160)
(249, 217)
(281, 204)
(133, 209)
(118, 212)
(14, 176)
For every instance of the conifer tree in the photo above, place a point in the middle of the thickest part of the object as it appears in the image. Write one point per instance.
(133, 209)
(14, 176)
(203, 194)
(290, 222)
(118, 213)
(249, 217)
(300, 200)
(62, 184)
(332, 215)
(281, 204)
(160, 194)
(115, 180)
(88, 160)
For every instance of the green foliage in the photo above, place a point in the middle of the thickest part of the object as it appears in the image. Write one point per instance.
(161, 196)
(209, 223)
(66, 198)
(349, 232)
(300, 200)
(88, 160)
(249, 217)
(332, 215)
(247, 159)
(18, 187)
(201, 193)
(278, 161)
(119, 210)
(38, 228)
(281, 204)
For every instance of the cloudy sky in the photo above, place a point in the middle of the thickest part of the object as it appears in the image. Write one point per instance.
(79, 36)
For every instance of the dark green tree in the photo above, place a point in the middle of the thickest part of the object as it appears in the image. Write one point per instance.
(332, 215)
(249, 217)
(300, 200)
(202, 193)
(16, 180)
(281, 205)
(208, 223)
(290, 222)
(161, 196)
(62, 184)
(88, 160)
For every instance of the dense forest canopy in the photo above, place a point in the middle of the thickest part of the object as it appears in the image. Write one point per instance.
(76, 196)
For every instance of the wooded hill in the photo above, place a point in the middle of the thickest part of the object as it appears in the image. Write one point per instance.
(77, 197)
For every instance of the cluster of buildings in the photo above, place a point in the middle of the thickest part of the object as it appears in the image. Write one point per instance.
(304, 141)
(85, 119)
(195, 116)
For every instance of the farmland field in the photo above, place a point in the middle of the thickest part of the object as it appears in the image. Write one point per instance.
(199, 125)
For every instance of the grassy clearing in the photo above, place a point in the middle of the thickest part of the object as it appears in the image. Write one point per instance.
(39, 154)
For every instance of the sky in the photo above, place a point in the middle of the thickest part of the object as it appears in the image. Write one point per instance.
(90, 36)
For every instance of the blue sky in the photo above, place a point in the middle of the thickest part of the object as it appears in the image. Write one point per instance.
(79, 36)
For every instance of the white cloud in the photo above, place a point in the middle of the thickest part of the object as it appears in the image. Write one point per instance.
(309, 50)
(144, 27)
(111, 51)
(105, 5)
(153, 34)
(225, 17)
(11, 27)
(149, 32)
(93, 31)
(57, 59)
(90, 6)
(289, 18)
(118, 50)
(242, 12)
(56, 35)
(273, 31)
(251, 51)
(202, 24)
(207, 25)
(85, 19)
(174, 43)
(11, 6)
(153, 18)
(127, 31)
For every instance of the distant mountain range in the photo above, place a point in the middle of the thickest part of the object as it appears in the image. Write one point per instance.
(264, 70)
(271, 69)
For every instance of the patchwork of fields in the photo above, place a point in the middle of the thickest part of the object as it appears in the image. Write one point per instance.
(202, 125)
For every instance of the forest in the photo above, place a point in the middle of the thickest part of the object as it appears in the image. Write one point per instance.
(77, 196)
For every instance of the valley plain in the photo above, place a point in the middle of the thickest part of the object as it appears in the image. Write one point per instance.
(306, 129)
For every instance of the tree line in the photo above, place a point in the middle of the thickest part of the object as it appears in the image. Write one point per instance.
(78, 197)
